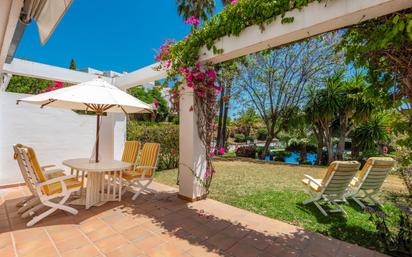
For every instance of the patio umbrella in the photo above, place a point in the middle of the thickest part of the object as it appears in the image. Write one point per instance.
(96, 96)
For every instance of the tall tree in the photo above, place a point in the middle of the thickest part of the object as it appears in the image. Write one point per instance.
(201, 9)
(275, 82)
(73, 65)
(226, 72)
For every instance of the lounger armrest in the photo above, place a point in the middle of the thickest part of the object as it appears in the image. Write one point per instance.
(47, 166)
(313, 180)
(54, 180)
(145, 169)
(356, 179)
(49, 172)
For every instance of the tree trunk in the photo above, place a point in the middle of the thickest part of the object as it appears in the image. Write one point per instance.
(319, 153)
(343, 122)
(269, 139)
(219, 125)
(223, 137)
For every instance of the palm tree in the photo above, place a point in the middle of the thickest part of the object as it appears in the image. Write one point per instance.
(353, 108)
(321, 111)
(201, 9)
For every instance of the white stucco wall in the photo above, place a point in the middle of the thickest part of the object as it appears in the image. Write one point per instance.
(55, 134)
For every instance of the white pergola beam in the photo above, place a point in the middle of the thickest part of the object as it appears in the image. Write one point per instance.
(49, 72)
(139, 77)
(312, 20)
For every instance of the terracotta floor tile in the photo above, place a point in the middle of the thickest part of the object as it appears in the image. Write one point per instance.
(222, 242)
(5, 239)
(136, 233)
(7, 251)
(25, 247)
(128, 250)
(111, 243)
(71, 243)
(87, 250)
(100, 233)
(164, 250)
(41, 252)
(243, 250)
(65, 233)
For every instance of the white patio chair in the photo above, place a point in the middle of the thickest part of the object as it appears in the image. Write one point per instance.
(142, 174)
(47, 190)
(368, 181)
(332, 187)
(31, 201)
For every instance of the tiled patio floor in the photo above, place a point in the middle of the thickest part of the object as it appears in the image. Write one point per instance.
(160, 225)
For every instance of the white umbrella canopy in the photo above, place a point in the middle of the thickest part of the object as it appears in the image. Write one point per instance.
(96, 95)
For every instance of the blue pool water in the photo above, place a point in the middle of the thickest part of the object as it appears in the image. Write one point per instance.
(293, 158)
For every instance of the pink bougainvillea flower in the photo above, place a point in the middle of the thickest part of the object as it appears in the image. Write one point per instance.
(58, 84)
(193, 21)
(155, 103)
(222, 150)
(211, 74)
(234, 2)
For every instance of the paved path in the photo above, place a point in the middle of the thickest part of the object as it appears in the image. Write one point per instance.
(160, 225)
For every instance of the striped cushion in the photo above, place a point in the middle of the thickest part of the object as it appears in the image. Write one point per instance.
(150, 153)
(379, 169)
(130, 151)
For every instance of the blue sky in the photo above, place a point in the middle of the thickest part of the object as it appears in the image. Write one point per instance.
(107, 35)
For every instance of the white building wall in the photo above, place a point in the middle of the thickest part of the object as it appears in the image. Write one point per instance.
(56, 134)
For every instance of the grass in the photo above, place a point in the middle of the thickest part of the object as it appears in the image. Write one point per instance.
(276, 191)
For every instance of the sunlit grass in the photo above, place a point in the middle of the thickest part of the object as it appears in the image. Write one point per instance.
(276, 191)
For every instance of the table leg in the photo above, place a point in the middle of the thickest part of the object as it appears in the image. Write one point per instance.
(94, 188)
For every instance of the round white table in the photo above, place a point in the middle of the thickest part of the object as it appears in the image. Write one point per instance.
(103, 181)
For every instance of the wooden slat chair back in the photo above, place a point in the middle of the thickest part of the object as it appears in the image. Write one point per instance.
(46, 188)
(332, 187)
(369, 179)
(131, 151)
(144, 171)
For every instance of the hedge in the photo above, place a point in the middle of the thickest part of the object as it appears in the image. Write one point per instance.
(167, 135)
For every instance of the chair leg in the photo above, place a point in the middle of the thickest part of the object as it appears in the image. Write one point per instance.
(338, 208)
(28, 205)
(24, 201)
(142, 188)
(54, 206)
(321, 208)
(359, 202)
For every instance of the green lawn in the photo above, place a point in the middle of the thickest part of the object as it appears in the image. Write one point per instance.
(276, 191)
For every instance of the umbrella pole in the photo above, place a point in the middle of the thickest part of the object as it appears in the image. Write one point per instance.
(97, 136)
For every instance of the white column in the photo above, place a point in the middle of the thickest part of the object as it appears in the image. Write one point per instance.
(192, 157)
(112, 136)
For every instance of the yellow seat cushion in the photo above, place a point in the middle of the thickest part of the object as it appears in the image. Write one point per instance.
(56, 188)
(129, 175)
(312, 185)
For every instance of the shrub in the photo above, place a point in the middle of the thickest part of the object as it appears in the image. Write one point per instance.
(167, 135)
(261, 134)
(246, 151)
(240, 138)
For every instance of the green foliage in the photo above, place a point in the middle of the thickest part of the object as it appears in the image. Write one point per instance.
(167, 135)
(248, 151)
(73, 65)
(240, 138)
(261, 133)
(27, 85)
(149, 97)
(371, 132)
(397, 242)
(232, 20)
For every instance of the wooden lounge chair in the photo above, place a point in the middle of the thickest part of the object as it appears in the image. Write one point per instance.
(49, 171)
(52, 192)
(369, 180)
(144, 171)
(332, 187)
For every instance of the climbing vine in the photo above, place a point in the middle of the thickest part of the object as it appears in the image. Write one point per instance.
(180, 59)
